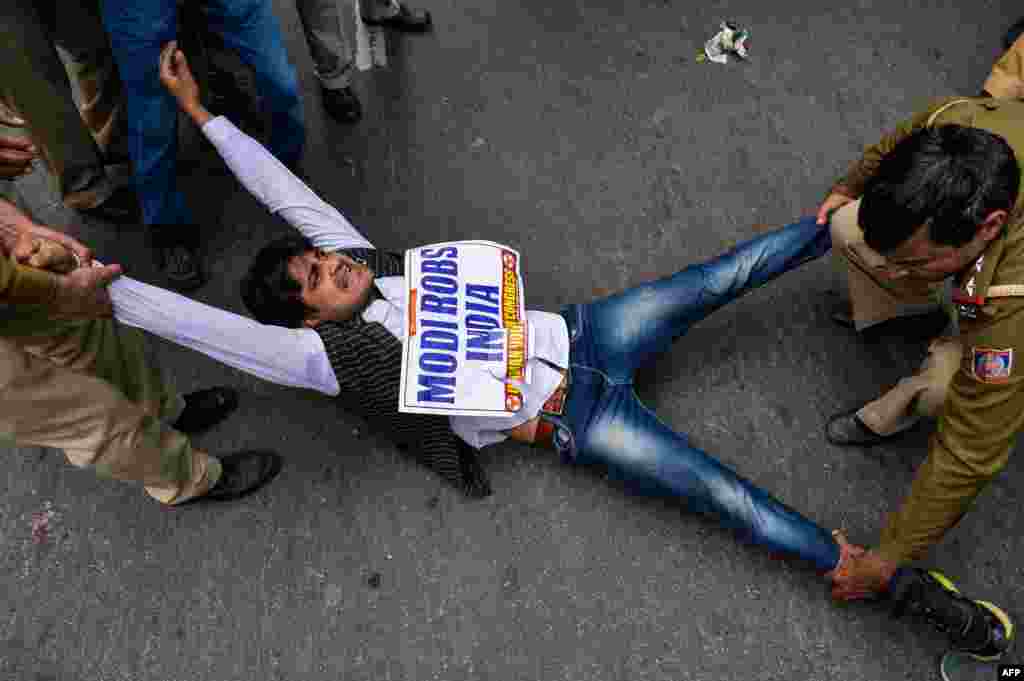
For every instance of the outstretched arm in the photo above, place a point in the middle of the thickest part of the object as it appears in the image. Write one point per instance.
(290, 357)
(257, 169)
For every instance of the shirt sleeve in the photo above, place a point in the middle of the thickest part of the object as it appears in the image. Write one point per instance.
(983, 411)
(20, 284)
(852, 184)
(277, 188)
(290, 357)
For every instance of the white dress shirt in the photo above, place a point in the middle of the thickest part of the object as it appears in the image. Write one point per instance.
(296, 357)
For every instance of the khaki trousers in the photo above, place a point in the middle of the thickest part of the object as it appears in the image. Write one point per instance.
(92, 389)
(875, 299)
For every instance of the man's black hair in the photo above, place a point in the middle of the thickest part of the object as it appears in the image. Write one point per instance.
(269, 292)
(951, 177)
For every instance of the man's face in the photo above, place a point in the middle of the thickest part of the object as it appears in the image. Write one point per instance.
(333, 285)
(921, 258)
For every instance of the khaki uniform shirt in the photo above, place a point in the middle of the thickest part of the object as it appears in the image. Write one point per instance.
(984, 407)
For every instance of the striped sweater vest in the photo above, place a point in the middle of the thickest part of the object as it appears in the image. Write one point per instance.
(367, 360)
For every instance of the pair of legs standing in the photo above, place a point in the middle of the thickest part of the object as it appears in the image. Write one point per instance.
(92, 389)
(138, 30)
(326, 24)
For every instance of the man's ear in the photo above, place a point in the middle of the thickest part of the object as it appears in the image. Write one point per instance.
(311, 320)
(993, 225)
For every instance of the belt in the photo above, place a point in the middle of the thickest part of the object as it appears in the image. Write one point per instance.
(553, 406)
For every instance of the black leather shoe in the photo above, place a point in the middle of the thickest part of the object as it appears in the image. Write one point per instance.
(842, 314)
(181, 265)
(847, 429)
(342, 104)
(121, 207)
(206, 408)
(242, 473)
(1013, 33)
(405, 19)
(924, 326)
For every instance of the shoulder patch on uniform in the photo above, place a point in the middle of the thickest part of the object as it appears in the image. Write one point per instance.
(992, 366)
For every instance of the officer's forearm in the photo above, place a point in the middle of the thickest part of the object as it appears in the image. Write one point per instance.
(943, 490)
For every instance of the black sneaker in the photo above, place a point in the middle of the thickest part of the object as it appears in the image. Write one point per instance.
(181, 266)
(242, 473)
(206, 408)
(976, 628)
(842, 314)
(342, 104)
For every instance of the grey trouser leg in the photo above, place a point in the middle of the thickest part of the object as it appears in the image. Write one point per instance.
(325, 22)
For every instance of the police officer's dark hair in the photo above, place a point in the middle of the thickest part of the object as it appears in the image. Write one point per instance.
(951, 177)
(269, 292)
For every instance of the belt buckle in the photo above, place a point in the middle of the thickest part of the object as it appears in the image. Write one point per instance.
(555, 404)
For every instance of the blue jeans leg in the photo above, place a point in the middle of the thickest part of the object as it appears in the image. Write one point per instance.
(138, 28)
(609, 425)
(650, 458)
(251, 28)
(631, 327)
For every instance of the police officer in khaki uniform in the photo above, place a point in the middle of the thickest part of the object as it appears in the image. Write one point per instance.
(74, 379)
(933, 216)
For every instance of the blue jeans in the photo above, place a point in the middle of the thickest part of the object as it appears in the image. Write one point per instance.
(605, 423)
(138, 29)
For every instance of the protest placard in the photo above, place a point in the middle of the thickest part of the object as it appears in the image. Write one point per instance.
(466, 338)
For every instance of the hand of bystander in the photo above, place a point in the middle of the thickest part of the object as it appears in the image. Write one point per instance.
(16, 148)
(177, 77)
